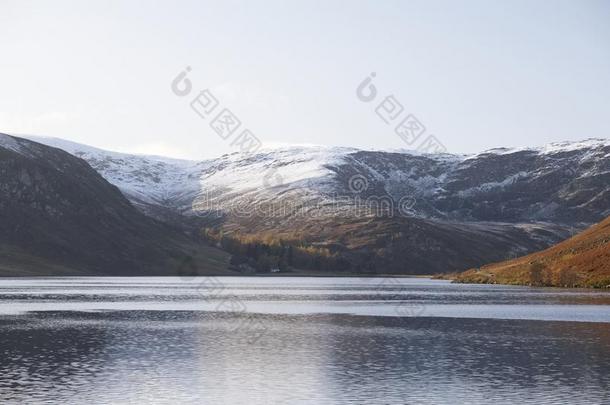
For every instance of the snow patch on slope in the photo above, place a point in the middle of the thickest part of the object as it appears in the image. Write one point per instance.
(551, 148)
(280, 166)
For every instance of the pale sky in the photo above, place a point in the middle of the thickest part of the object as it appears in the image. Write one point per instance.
(477, 74)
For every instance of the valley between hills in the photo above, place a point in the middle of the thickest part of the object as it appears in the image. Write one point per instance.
(72, 209)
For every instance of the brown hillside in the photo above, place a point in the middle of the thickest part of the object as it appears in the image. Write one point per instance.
(581, 261)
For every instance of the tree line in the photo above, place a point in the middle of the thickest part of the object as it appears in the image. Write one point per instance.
(264, 253)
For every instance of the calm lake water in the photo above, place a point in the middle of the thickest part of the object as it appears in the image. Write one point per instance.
(235, 340)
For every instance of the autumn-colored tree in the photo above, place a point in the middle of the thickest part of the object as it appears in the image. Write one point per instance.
(536, 274)
(566, 277)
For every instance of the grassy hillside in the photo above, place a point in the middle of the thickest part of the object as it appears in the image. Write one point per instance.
(581, 261)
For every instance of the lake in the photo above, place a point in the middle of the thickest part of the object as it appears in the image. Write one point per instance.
(300, 340)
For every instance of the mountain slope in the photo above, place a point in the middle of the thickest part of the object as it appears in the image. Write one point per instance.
(160, 187)
(59, 216)
(408, 212)
(561, 182)
(581, 261)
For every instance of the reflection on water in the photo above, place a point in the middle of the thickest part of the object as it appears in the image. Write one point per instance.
(178, 356)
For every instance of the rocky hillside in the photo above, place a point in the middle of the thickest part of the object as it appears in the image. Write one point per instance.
(407, 212)
(581, 261)
(59, 216)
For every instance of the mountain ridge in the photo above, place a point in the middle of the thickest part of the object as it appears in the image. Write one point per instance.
(512, 201)
(166, 181)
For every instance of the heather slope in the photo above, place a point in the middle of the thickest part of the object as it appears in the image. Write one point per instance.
(581, 261)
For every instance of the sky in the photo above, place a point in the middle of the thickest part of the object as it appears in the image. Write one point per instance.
(475, 74)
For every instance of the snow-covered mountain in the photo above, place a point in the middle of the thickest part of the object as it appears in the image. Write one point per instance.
(564, 182)
(497, 203)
